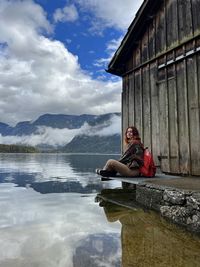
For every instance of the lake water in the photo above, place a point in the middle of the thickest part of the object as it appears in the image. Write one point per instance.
(49, 217)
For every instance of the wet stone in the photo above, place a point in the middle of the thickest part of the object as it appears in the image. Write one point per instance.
(154, 186)
(149, 197)
(173, 197)
(194, 222)
(176, 214)
(194, 201)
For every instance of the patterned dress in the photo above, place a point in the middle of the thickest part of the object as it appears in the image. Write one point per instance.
(134, 154)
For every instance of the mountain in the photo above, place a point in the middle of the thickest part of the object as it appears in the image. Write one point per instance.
(67, 133)
(59, 121)
(91, 144)
(5, 128)
(62, 121)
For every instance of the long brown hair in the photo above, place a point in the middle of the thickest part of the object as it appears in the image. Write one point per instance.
(135, 134)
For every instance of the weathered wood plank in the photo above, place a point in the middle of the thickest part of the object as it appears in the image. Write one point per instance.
(183, 128)
(155, 148)
(131, 100)
(160, 30)
(146, 107)
(129, 64)
(189, 46)
(194, 116)
(173, 127)
(144, 47)
(179, 51)
(184, 19)
(171, 22)
(164, 126)
(125, 119)
(137, 55)
(152, 40)
(197, 41)
(138, 103)
(195, 16)
(198, 88)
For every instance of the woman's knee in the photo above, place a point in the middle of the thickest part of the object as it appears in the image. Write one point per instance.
(111, 162)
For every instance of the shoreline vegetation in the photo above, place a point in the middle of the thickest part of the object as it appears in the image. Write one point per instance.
(17, 149)
(29, 149)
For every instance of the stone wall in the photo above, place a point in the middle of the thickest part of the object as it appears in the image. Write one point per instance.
(179, 206)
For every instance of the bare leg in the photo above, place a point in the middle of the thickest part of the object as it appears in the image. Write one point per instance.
(116, 166)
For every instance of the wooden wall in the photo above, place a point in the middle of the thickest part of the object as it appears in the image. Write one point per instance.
(161, 87)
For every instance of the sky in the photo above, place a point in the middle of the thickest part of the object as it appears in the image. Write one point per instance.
(53, 56)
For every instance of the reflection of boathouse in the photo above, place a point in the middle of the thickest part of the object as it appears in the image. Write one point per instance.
(148, 241)
(146, 238)
(159, 61)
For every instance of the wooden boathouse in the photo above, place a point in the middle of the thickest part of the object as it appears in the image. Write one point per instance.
(159, 62)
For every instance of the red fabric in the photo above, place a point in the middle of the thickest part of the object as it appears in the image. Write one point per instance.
(149, 168)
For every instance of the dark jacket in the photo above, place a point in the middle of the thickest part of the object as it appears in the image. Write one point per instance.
(134, 154)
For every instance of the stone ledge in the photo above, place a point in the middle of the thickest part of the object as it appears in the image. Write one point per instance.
(194, 200)
(149, 197)
(178, 206)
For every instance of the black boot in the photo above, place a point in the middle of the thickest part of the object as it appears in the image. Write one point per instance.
(105, 173)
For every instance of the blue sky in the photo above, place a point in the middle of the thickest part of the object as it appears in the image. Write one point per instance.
(53, 56)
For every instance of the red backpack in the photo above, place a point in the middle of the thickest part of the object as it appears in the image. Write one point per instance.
(149, 168)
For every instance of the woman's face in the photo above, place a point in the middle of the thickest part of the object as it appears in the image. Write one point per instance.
(129, 133)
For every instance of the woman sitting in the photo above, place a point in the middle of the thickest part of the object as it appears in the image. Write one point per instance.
(131, 160)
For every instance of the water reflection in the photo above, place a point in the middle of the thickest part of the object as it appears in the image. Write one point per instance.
(62, 229)
(147, 239)
(53, 173)
(52, 165)
(55, 186)
(53, 230)
(98, 250)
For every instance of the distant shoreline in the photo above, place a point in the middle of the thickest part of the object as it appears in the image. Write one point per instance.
(63, 153)
(17, 149)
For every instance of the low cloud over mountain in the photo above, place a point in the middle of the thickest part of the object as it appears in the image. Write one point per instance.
(59, 130)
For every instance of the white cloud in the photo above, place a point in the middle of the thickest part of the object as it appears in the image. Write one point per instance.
(45, 135)
(114, 127)
(118, 13)
(111, 49)
(113, 45)
(101, 62)
(60, 137)
(68, 13)
(48, 228)
(39, 75)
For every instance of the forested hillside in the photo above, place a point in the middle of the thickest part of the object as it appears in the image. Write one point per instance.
(17, 149)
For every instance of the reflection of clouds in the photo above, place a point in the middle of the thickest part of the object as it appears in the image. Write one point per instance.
(44, 167)
(53, 167)
(46, 229)
(49, 165)
(98, 250)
